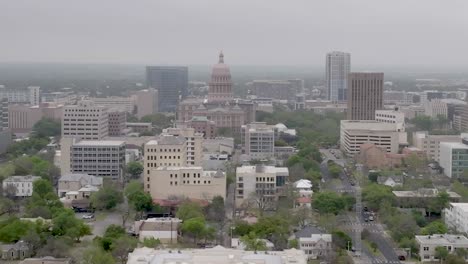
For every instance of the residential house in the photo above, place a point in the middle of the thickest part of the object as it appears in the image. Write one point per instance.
(392, 181)
(428, 245)
(19, 186)
(78, 186)
(19, 250)
(314, 242)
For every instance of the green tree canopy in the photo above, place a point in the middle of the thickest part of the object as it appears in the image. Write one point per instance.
(188, 210)
(106, 198)
(435, 227)
(253, 243)
(135, 169)
(328, 202)
(47, 127)
(374, 194)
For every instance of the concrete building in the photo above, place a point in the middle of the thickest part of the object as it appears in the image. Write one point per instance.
(46, 260)
(3, 113)
(428, 245)
(126, 104)
(165, 151)
(19, 186)
(31, 95)
(278, 89)
(258, 140)
(147, 102)
(435, 108)
(421, 198)
(85, 120)
(391, 116)
(453, 158)
(365, 95)
(193, 141)
(456, 217)
(171, 83)
(216, 255)
(185, 182)
(354, 133)
(102, 158)
(117, 122)
(260, 185)
(315, 243)
(430, 144)
(164, 229)
(397, 98)
(139, 127)
(338, 66)
(202, 125)
(34, 95)
(21, 118)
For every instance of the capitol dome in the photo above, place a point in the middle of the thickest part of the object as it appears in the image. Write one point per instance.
(220, 69)
(220, 87)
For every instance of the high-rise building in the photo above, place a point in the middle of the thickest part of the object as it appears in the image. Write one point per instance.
(147, 102)
(338, 66)
(365, 95)
(34, 95)
(3, 113)
(117, 122)
(102, 158)
(171, 83)
(220, 87)
(85, 120)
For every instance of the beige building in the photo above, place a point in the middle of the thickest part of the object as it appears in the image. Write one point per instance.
(428, 245)
(126, 104)
(85, 121)
(258, 140)
(393, 116)
(185, 182)
(354, 133)
(21, 118)
(194, 143)
(165, 151)
(435, 108)
(117, 122)
(365, 95)
(146, 102)
(259, 186)
(216, 255)
(430, 144)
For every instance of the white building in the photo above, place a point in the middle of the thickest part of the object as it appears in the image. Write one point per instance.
(338, 66)
(216, 255)
(431, 143)
(304, 188)
(314, 242)
(164, 229)
(456, 217)
(22, 186)
(85, 121)
(428, 245)
(258, 140)
(103, 158)
(34, 95)
(126, 104)
(435, 108)
(392, 117)
(453, 158)
(259, 185)
(354, 133)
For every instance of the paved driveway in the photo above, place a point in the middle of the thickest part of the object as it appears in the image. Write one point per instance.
(100, 223)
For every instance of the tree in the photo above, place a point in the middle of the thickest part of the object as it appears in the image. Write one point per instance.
(435, 227)
(334, 170)
(439, 203)
(374, 194)
(42, 188)
(57, 247)
(106, 198)
(441, 253)
(14, 230)
(122, 246)
(301, 217)
(415, 163)
(93, 255)
(194, 227)
(342, 240)
(374, 246)
(215, 211)
(47, 127)
(423, 122)
(373, 175)
(151, 242)
(7, 206)
(294, 243)
(253, 243)
(66, 224)
(188, 210)
(135, 169)
(328, 202)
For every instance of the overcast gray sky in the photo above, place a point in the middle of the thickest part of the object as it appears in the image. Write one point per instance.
(254, 32)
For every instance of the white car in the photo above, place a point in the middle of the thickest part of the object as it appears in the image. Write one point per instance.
(88, 216)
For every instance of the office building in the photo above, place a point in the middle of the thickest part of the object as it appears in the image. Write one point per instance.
(338, 66)
(126, 104)
(397, 98)
(259, 186)
(428, 244)
(456, 217)
(22, 117)
(171, 83)
(19, 186)
(102, 158)
(258, 140)
(215, 255)
(186, 182)
(354, 133)
(85, 120)
(139, 127)
(165, 151)
(147, 102)
(277, 89)
(202, 125)
(435, 109)
(430, 144)
(391, 116)
(365, 95)
(454, 158)
(34, 95)
(117, 122)
(421, 198)
(193, 142)
(31, 95)
(3, 113)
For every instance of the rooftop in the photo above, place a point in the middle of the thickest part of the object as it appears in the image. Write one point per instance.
(263, 169)
(84, 179)
(454, 145)
(113, 143)
(462, 206)
(442, 239)
(368, 125)
(423, 192)
(167, 140)
(28, 178)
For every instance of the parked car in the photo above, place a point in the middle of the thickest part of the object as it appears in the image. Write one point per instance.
(371, 218)
(88, 216)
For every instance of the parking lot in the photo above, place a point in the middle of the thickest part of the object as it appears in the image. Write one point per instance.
(100, 222)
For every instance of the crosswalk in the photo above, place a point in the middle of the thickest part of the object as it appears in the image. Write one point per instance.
(377, 261)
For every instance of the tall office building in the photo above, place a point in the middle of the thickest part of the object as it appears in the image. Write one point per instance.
(171, 83)
(365, 95)
(338, 66)
(85, 121)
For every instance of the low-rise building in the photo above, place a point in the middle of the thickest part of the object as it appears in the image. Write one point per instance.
(377, 157)
(258, 140)
(19, 186)
(315, 243)
(164, 229)
(431, 143)
(19, 250)
(139, 127)
(428, 245)
(188, 182)
(456, 217)
(260, 185)
(421, 198)
(454, 158)
(392, 181)
(202, 125)
(216, 255)
(81, 184)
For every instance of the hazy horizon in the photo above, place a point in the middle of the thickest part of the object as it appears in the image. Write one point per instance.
(419, 33)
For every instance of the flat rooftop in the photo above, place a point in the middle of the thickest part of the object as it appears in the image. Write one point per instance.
(263, 169)
(454, 145)
(167, 140)
(442, 239)
(99, 143)
(368, 125)
(462, 206)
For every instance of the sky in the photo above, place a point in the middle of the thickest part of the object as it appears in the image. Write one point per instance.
(250, 32)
